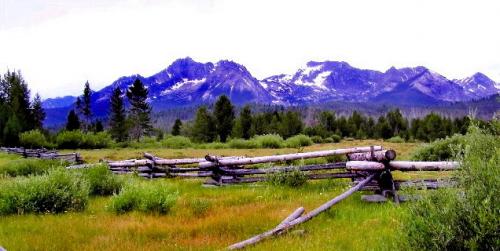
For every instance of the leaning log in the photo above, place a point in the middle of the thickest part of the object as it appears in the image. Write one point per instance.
(364, 166)
(423, 165)
(284, 226)
(384, 155)
(285, 157)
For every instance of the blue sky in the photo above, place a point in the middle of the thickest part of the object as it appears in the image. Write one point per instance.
(58, 45)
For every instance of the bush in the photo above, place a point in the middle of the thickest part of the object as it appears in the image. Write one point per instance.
(395, 139)
(468, 217)
(298, 141)
(317, 139)
(293, 178)
(176, 142)
(55, 192)
(102, 181)
(335, 138)
(34, 139)
(269, 141)
(150, 197)
(441, 149)
(96, 140)
(78, 139)
(242, 144)
(25, 167)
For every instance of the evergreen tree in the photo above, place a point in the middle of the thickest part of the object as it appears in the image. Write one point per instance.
(86, 106)
(140, 111)
(383, 129)
(246, 122)
(204, 129)
(38, 113)
(98, 127)
(73, 122)
(396, 121)
(117, 121)
(327, 121)
(12, 130)
(176, 129)
(291, 124)
(224, 117)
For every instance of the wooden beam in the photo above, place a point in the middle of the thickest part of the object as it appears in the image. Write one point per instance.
(284, 157)
(384, 155)
(424, 165)
(364, 166)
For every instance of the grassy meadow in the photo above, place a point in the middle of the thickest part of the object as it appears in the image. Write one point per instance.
(207, 218)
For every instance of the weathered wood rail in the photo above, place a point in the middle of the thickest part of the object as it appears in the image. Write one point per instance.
(43, 154)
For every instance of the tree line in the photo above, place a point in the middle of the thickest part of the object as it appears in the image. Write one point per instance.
(130, 119)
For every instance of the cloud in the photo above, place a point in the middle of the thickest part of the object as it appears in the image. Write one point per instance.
(61, 44)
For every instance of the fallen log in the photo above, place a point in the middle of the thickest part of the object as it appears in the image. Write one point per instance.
(284, 157)
(297, 213)
(423, 165)
(284, 226)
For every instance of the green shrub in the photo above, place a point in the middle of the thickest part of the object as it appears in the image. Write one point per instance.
(78, 139)
(468, 217)
(293, 178)
(298, 141)
(150, 197)
(395, 139)
(212, 145)
(441, 149)
(176, 142)
(336, 138)
(269, 141)
(69, 139)
(96, 140)
(317, 139)
(242, 144)
(55, 192)
(102, 181)
(34, 139)
(25, 167)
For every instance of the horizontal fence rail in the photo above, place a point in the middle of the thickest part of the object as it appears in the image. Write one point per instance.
(43, 154)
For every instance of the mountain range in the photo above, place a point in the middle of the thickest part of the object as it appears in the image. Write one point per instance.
(189, 83)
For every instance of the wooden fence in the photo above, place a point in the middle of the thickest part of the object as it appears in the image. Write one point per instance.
(43, 154)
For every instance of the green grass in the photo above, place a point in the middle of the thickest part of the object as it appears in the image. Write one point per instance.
(213, 218)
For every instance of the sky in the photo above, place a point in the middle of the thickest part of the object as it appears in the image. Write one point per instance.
(58, 44)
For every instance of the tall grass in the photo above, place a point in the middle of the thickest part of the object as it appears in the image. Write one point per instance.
(150, 197)
(55, 192)
(25, 167)
(102, 181)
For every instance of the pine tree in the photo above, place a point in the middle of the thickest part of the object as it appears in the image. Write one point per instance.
(38, 113)
(78, 107)
(245, 122)
(73, 122)
(204, 126)
(12, 130)
(383, 129)
(176, 129)
(291, 124)
(140, 110)
(98, 127)
(224, 115)
(86, 106)
(117, 119)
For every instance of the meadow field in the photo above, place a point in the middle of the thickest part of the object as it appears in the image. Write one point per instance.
(211, 218)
